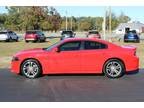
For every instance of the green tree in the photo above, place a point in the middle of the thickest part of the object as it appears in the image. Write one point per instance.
(123, 18)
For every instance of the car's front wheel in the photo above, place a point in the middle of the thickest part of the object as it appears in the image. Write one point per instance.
(114, 68)
(31, 68)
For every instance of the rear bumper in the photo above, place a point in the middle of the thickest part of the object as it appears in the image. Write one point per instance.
(132, 64)
(30, 39)
(131, 40)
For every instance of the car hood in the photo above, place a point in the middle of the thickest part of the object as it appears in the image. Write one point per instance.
(30, 51)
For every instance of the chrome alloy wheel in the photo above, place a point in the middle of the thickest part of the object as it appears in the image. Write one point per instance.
(113, 68)
(30, 69)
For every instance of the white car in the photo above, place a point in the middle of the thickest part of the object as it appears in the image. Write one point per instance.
(8, 36)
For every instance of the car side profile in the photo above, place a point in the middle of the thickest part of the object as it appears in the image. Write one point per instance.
(35, 36)
(8, 36)
(77, 56)
(93, 34)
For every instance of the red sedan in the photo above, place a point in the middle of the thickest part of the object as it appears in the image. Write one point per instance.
(77, 55)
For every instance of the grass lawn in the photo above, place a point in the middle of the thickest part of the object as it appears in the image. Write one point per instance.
(7, 49)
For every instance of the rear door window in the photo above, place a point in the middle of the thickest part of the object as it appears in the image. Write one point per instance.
(92, 45)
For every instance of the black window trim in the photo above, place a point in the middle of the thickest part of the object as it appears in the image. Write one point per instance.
(71, 41)
(83, 43)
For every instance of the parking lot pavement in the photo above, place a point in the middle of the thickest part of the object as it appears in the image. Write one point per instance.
(71, 88)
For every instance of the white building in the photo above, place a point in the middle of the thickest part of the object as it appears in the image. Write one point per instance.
(121, 29)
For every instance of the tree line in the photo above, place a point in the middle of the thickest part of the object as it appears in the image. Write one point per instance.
(49, 19)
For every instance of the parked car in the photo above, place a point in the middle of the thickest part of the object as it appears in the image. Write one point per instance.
(35, 36)
(8, 36)
(67, 34)
(77, 55)
(131, 36)
(93, 34)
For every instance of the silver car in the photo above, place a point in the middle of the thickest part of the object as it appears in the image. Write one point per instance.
(8, 36)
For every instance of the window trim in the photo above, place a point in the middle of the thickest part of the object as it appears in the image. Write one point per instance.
(68, 42)
(93, 49)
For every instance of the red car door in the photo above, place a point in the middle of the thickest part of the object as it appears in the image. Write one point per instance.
(67, 59)
(93, 57)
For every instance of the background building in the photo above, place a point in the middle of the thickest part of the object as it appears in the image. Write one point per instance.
(139, 27)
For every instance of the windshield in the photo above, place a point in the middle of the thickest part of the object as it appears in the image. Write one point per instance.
(52, 46)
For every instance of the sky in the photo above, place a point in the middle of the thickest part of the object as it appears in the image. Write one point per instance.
(134, 12)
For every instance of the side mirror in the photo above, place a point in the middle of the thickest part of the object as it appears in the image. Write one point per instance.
(56, 49)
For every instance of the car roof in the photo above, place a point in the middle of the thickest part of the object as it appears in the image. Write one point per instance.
(86, 39)
(93, 30)
(67, 30)
(33, 30)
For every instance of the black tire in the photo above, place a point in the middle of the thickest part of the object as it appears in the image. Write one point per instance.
(109, 68)
(37, 40)
(44, 40)
(9, 40)
(26, 41)
(17, 40)
(27, 69)
(125, 41)
(138, 41)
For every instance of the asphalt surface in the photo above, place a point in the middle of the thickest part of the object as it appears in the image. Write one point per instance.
(77, 88)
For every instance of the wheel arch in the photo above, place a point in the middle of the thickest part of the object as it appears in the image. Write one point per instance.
(33, 59)
(113, 58)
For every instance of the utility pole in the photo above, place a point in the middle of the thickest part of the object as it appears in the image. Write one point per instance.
(104, 25)
(71, 23)
(66, 20)
(110, 21)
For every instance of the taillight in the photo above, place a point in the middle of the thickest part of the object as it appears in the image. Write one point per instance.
(36, 36)
(135, 53)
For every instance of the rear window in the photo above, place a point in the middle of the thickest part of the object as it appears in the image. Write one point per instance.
(3, 32)
(31, 32)
(90, 45)
(67, 32)
(133, 31)
(93, 32)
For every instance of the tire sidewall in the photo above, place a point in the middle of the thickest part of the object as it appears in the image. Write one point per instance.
(39, 68)
(118, 61)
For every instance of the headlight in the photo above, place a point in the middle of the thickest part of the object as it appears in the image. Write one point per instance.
(15, 59)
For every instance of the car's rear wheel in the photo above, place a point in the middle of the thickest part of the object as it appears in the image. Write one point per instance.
(26, 41)
(137, 41)
(114, 68)
(31, 68)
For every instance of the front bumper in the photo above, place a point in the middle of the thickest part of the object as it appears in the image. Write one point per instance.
(15, 67)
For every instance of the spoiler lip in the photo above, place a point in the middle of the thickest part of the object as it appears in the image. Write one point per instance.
(133, 47)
